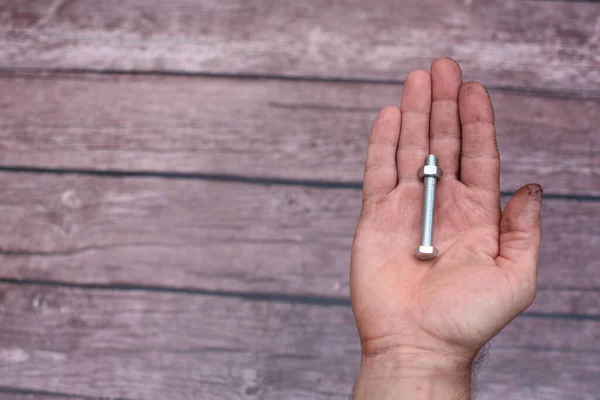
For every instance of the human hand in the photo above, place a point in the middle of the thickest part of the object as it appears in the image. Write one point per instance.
(421, 323)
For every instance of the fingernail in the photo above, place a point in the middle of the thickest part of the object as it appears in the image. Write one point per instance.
(535, 192)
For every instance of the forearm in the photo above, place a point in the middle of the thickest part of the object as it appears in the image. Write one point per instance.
(413, 376)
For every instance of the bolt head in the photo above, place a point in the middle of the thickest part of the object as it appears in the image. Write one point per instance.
(430, 170)
(426, 253)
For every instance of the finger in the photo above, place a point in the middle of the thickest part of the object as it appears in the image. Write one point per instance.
(521, 235)
(480, 160)
(444, 136)
(380, 167)
(413, 146)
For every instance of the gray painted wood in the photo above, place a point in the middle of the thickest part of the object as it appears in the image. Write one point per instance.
(499, 392)
(24, 394)
(533, 44)
(138, 344)
(290, 241)
(265, 129)
(230, 236)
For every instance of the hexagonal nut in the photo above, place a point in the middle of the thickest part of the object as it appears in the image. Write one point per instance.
(426, 253)
(431, 170)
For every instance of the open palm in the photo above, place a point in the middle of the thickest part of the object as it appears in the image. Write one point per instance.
(486, 272)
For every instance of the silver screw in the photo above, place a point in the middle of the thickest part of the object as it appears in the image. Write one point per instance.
(430, 173)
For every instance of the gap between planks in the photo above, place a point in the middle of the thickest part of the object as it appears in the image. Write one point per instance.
(310, 183)
(9, 392)
(537, 92)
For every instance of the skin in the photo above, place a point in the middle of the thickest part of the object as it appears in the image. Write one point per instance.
(421, 323)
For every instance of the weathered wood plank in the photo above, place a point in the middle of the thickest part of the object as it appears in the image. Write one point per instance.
(550, 45)
(161, 345)
(18, 394)
(273, 129)
(232, 236)
(498, 392)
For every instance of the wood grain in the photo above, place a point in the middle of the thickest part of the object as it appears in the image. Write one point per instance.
(540, 45)
(21, 394)
(228, 236)
(272, 129)
(9, 396)
(137, 344)
(156, 288)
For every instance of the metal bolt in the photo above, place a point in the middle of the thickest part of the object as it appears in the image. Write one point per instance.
(430, 173)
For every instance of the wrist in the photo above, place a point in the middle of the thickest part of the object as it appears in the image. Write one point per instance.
(411, 374)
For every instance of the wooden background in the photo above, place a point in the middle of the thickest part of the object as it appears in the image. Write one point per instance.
(180, 180)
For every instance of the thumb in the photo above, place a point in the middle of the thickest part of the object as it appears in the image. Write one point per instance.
(521, 232)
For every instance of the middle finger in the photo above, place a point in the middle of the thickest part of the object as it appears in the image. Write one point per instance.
(445, 132)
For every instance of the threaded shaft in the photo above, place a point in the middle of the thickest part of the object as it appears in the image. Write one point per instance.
(428, 205)
(431, 160)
